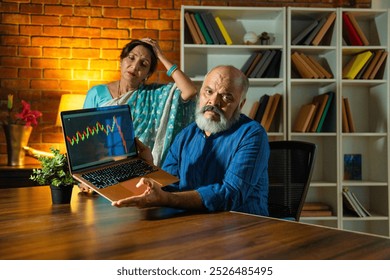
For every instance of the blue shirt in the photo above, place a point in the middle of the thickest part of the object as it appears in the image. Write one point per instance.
(228, 169)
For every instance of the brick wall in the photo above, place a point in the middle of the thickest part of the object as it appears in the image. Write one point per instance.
(52, 47)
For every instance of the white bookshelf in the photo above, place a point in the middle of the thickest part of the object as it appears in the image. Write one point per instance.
(369, 100)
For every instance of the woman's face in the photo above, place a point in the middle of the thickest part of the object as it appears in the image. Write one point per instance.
(136, 66)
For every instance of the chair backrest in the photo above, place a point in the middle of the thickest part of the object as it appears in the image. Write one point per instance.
(290, 168)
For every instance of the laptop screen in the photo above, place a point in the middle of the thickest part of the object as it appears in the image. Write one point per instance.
(98, 135)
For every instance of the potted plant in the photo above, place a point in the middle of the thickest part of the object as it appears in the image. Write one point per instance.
(55, 172)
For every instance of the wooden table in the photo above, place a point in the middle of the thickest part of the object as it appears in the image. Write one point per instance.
(90, 228)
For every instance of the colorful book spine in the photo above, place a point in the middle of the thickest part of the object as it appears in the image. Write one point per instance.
(224, 31)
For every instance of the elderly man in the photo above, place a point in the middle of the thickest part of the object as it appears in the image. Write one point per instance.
(221, 159)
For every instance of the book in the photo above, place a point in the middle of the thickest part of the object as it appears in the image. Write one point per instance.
(252, 112)
(322, 69)
(274, 67)
(345, 125)
(309, 65)
(263, 58)
(316, 213)
(353, 204)
(352, 167)
(350, 204)
(262, 105)
(191, 28)
(314, 32)
(313, 66)
(200, 34)
(253, 64)
(325, 28)
(315, 206)
(303, 118)
(305, 32)
(359, 31)
(248, 62)
(224, 31)
(351, 125)
(349, 32)
(321, 101)
(272, 113)
(265, 65)
(372, 63)
(302, 68)
(267, 110)
(203, 29)
(379, 64)
(326, 110)
(359, 60)
(365, 67)
(209, 27)
(216, 29)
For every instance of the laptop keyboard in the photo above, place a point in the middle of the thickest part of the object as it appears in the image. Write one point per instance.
(115, 174)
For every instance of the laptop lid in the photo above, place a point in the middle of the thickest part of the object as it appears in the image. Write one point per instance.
(98, 136)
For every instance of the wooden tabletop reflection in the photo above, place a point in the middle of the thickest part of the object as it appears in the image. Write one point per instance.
(90, 228)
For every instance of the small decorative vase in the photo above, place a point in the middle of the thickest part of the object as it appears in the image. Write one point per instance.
(17, 137)
(61, 194)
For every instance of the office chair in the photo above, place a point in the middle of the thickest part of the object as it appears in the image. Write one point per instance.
(290, 168)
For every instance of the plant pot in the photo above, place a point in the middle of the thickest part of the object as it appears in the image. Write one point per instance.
(17, 137)
(61, 194)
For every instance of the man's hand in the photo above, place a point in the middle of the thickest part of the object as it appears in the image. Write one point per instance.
(152, 197)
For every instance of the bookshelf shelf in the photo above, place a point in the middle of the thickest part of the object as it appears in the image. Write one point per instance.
(368, 98)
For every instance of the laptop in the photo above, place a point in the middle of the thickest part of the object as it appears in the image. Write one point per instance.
(101, 139)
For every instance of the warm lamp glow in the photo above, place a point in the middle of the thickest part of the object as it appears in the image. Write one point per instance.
(69, 102)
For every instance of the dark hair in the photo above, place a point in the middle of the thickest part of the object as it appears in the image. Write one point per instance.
(127, 49)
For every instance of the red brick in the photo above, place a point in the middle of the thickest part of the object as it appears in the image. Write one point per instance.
(8, 50)
(151, 4)
(45, 41)
(57, 74)
(15, 83)
(145, 14)
(86, 32)
(75, 42)
(74, 85)
(10, 7)
(132, 4)
(104, 3)
(86, 75)
(88, 11)
(49, 20)
(30, 51)
(58, 10)
(15, 61)
(104, 64)
(44, 62)
(30, 73)
(170, 14)
(57, 31)
(115, 33)
(100, 22)
(44, 84)
(111, 75)
(56, 52)
(9, 29)
(142, 33)
(131, 23)
(15, 19)
(6, 72)
(116, 12)
(74, 63)
(159, 24)
(74, 21)
(113, 53)
(85, 53)
(31, 8)
(30, 29)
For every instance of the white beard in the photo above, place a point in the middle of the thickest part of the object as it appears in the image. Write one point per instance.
(212, 126)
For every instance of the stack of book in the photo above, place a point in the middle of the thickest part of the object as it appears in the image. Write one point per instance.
(265, 110)
(353, 205)
(263, 64)
(353, 35)
(365, 65)
(311, 116)
(316, 31)
(347, 120)
(316, 209)
(204, 28)
(309, 67)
